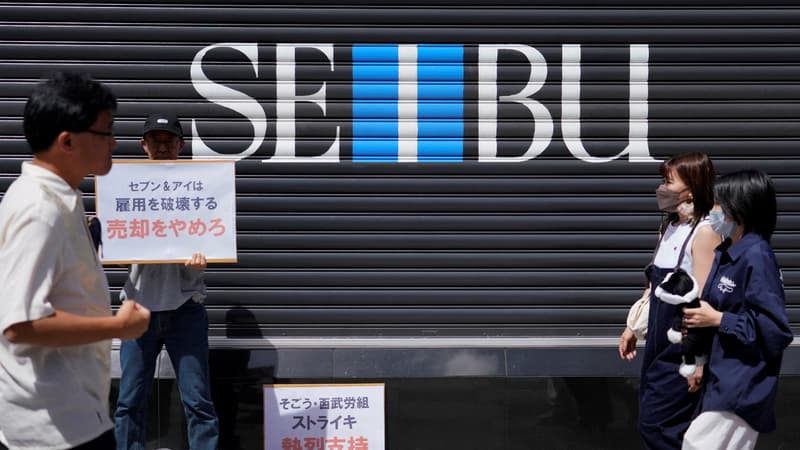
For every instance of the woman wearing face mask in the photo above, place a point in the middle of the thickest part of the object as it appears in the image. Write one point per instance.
(744, 298)
(666, 402)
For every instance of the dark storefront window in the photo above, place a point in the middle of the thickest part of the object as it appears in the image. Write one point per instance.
(462, 413)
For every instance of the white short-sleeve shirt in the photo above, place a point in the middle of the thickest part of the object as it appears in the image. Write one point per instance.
(50, 397)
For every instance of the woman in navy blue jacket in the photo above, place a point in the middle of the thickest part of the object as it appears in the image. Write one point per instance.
(744, 298)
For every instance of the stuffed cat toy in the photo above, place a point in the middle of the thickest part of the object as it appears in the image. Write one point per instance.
(679, 288)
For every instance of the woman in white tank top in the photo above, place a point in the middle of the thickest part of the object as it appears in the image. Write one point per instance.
(673, 239)
(666, 403)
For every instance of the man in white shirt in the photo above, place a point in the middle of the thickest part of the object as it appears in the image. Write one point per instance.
(55, 316)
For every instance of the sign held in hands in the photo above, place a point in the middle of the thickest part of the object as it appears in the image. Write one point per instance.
(165, 211)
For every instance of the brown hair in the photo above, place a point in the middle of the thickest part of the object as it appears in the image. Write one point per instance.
(697, 172)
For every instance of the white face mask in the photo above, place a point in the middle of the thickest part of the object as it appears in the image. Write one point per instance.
(719, 225)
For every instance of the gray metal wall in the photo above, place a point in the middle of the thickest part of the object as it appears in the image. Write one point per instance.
(549, 246)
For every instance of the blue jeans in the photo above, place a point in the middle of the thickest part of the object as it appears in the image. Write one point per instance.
(184, 332)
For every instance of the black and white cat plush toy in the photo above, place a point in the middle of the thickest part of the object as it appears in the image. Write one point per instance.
(679, 288)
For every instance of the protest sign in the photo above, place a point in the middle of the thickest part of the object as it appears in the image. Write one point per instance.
(324, 417)
(165, 211)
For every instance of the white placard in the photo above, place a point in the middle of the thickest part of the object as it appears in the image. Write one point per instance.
(324, 416)
(164, 211)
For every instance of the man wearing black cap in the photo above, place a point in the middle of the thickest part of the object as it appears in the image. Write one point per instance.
(175, 294)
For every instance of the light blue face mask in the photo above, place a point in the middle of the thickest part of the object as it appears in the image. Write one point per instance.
(719, 225)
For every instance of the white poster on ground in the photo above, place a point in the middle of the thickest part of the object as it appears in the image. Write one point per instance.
(324, 417)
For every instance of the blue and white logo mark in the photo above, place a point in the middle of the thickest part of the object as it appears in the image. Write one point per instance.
(408, 103)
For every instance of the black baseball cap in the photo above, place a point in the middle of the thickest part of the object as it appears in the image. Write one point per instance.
(163, 122)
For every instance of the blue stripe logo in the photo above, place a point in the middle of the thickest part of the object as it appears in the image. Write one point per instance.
(408, 103)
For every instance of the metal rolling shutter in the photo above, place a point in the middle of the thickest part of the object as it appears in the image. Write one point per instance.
(552, 246)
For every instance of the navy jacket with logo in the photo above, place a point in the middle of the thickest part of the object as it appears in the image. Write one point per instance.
(745, 284)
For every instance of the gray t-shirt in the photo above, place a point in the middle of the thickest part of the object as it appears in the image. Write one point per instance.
(163, 287)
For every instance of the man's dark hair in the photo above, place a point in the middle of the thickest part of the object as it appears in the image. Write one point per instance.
(748, 197)
(65, 102)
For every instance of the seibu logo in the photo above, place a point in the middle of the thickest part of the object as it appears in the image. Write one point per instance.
(417, 103)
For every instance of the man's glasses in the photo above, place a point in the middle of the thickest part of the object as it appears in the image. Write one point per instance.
(101, 133)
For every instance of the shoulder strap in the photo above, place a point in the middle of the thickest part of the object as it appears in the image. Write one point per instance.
(683, 248)
(685, 242)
